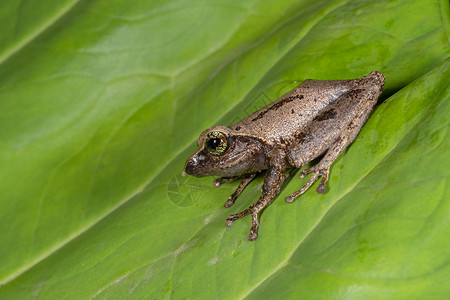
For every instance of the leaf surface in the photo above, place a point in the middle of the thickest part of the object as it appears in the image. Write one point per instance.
(101, 103)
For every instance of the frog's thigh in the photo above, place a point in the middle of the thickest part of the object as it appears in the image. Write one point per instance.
(303, 153)
(346, 137)
(332, 146)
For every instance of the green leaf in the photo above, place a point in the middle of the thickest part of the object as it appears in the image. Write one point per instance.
(101, 103)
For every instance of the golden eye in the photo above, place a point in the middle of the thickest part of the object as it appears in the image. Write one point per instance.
(216, 143)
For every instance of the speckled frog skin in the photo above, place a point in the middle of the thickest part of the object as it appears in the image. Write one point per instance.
(318, 117)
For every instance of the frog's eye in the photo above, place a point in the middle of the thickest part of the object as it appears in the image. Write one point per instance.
(216, 143)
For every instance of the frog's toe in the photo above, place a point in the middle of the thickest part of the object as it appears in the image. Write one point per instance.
(252, 236)
(321, 188)
(316, 173)
(306, 172)
(219, 181)
(255, 225)
(323, 172)
(289, 199)
(229, 202)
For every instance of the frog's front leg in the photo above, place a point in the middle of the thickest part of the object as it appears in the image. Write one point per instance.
(246, 179)
(322, 169)
(271, 188)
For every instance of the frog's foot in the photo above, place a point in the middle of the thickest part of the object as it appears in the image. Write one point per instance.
(246, 179)
(316, 172)
(234, 217)
(254, 210)
(255, 221)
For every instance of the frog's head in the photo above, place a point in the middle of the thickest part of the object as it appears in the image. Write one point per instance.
(221, 152)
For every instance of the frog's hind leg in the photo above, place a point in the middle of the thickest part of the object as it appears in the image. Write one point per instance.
(322, 168)
(246, 179)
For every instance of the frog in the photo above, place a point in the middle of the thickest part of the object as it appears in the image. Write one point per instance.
(316, 121)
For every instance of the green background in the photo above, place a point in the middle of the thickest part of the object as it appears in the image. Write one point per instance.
(101, 103)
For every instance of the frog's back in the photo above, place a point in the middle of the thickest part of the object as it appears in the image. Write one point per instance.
(280, 119)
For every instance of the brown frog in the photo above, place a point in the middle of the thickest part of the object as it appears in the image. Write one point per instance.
(318, 117)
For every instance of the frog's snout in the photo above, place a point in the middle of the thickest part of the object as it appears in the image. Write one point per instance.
(189, 167)
(193, 165)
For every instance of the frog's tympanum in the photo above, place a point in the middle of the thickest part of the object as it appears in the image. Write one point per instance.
(318, 117)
